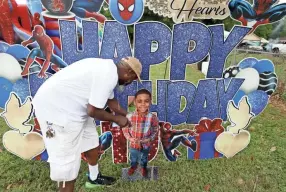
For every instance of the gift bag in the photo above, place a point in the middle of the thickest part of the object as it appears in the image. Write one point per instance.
(206, 133)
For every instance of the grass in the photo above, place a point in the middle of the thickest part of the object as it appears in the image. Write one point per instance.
(256, 167)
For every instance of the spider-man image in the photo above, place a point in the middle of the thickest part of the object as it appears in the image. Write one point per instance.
(261, 12)
(44, 52)
(171, 139)
(126, 12)
(89, 9)
(105, 140)
(58, 5)
(6, 25)
(36, 20)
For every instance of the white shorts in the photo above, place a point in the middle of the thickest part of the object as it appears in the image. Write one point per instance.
(65, 148)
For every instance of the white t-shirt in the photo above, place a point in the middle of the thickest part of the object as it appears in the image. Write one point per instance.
(64, 96)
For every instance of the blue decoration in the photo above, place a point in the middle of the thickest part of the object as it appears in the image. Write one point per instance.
(145, 85)
(90, 44)
(205, 103)
(5, 90)
(221, 49)
(122, 97)
(35, 82)
(160, 107)
(145, 33)
(267, 83)
(129, 15)
(21, 88)
(258, 101)
(247, 63)
(264, 65)
(238, 96)
(227, 94)
(181, 55)
(175, 91)
(206, 146)
(17, 51)
(115, 37)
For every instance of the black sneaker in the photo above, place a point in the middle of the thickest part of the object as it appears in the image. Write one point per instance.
(112, 179)
(100, 181)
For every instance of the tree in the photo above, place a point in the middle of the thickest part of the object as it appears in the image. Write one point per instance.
(264, 31)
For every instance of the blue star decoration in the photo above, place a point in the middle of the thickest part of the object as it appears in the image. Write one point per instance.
(260, 82)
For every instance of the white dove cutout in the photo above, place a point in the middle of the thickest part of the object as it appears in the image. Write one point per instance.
(17, 114)
(239, 117)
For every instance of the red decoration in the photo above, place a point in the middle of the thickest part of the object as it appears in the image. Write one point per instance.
(207, 126)
(119, 148)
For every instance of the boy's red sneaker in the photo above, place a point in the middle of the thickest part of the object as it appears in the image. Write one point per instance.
(131, 170)
(144, 172)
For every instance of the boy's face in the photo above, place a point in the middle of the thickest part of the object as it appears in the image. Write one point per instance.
(142, 103)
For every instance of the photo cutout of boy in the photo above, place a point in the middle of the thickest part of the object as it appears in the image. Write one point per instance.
(144, 127)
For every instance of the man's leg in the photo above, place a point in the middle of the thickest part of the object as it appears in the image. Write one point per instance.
(92, 158)
(67, 186)
(90, 147)
(64, 153)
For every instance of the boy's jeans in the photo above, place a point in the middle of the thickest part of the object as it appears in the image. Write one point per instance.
(136, 155)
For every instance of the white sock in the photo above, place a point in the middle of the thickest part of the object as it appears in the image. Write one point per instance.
(93, 171)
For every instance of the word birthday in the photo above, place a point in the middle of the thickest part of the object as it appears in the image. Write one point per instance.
(209, 99)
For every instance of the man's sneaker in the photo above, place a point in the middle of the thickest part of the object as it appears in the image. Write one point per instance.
(112, 179)
(144, 171)
(131, 170)
(100, 181)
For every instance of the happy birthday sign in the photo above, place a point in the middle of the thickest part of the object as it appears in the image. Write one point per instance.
(173, 45)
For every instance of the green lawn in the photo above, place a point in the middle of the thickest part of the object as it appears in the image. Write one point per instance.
(256, 167)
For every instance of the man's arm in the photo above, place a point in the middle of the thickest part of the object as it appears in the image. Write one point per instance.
(102, 115)
(114, 105)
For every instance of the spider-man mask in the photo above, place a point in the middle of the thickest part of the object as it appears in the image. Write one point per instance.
(126, 8)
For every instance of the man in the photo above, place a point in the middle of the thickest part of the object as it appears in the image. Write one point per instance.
(66, 105)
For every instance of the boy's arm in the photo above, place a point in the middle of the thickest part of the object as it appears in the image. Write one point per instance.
(126, 132)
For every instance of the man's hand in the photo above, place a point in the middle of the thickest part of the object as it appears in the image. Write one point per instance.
(122, 121)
